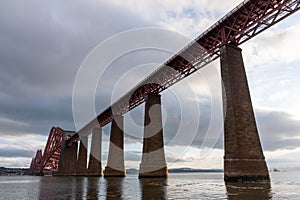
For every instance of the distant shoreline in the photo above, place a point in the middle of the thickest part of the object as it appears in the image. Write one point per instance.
(24, 171)
(180, 170)
(189, 170)
(13, 171)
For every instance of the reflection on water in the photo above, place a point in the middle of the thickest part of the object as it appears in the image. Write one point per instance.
(92, 188)
(69, 187)
(114, 188)
(177, 186)
(249, 190)
(153, 188)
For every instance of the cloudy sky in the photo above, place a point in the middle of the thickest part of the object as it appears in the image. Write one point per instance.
(43, 46)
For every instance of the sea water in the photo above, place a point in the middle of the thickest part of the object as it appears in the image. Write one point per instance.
(283, 185)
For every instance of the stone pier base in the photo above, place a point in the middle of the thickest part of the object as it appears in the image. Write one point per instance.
(245, 170)
(244, 159)
(68, 158)
(153, 159)
(73, 158)
(110, 172)
(153, 172)
(81, 167)
(115, 161)
(95, 168)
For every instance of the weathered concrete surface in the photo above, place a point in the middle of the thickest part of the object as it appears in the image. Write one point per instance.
(244, 159)
(73, 158)
(95, 168)
(67, 160)
(115, 161)
(153, 159)
(81, 167)
(68, 156)
(63, 163)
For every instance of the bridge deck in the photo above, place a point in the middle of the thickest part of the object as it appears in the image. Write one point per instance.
(248, 19)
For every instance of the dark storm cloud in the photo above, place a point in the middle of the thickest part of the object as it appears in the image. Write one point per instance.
(36, 115)
(128, 155)
(42, 47)
(133, 156)
(43, 43)
(137, 156)
(278, 123)
(278, 130)
(16, 153)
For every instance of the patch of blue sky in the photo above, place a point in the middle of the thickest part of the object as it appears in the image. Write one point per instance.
(170, 14)
(276, 86)
(189, 13)
(289, 21)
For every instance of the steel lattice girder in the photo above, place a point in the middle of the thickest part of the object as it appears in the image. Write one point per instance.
(244, 22)
(52, 149)
(43, 162)
(36, 162)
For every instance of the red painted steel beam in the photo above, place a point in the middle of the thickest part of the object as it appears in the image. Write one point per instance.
(35, 165)
(52, 148)
(244, 22)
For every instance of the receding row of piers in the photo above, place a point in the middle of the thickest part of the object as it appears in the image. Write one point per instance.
(74, 162)
(243, 160)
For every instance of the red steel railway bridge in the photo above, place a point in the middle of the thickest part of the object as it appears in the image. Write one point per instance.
(243, 160)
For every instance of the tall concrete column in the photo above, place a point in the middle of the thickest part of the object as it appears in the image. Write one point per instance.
(95, 168)
(81, 167)
(73, 158)
(115, 161)
(63, 161)
(244, 159)
(153, 159)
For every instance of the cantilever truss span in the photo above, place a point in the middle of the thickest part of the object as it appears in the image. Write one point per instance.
(244, 22)
(48, 162)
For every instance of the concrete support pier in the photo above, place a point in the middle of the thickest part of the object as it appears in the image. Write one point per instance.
(153, 159)
(244, 159)
(68, 158)
(72, 158)
(81, 167)
(115, 161)
(95, 168)
(63, 160)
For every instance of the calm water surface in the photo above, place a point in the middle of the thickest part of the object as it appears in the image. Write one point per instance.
(284, 185)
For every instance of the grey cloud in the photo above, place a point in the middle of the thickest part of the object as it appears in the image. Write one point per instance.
(133, 156)
(128, 156)
(277, 129)
(174, 159)
(137, 156)
(42, 47)
(277, 123)
(16, 153)
(36, 116)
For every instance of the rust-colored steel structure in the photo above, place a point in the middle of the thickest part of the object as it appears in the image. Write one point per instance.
(244, 22)
(48, 162)
(52, 150)
(36, 163)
